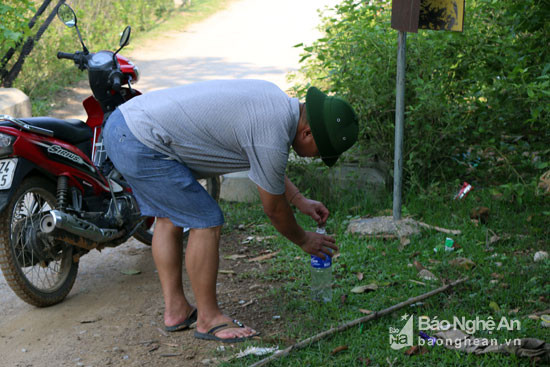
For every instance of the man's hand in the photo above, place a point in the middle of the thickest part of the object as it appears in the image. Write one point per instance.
(319, 245)
(315, 209)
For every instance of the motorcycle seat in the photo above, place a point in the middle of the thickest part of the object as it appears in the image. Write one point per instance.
(71, 130)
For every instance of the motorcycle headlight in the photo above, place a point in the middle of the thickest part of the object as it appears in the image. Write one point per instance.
(6, 140)
(136, 71)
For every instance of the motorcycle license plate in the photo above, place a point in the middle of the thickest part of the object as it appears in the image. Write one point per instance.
(7, 170)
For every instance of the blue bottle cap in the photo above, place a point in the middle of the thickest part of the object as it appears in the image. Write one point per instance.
(318, 263)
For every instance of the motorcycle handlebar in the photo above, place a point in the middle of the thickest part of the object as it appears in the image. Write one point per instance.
(116, 82)
(65, 55)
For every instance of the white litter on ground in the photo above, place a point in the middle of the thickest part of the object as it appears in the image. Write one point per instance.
(256, 351)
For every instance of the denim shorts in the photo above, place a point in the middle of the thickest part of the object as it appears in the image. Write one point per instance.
(163, 187)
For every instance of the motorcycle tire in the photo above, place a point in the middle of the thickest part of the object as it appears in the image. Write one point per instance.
(144, 233)
(40, 275)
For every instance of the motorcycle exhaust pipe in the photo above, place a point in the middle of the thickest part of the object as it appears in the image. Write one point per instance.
(56, 219)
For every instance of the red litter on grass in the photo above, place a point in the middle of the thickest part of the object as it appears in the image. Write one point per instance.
(464, 190)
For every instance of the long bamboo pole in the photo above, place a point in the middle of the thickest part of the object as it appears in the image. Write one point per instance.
(352, 323)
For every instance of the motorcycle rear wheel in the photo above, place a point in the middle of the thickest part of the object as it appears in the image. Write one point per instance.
(39, 276)
(144, 233)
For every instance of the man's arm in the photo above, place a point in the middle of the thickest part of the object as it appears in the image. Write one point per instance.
(277, 208)
(280, 213)
(314, 209)
(292, 193)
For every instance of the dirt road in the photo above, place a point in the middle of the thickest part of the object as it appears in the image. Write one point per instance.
(111, 318)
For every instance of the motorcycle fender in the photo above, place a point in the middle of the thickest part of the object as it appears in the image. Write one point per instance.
(24, 168)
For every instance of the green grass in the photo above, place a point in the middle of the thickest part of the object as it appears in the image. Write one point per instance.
(505, 274)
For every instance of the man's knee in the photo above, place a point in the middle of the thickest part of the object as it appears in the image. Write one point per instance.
(210, 231)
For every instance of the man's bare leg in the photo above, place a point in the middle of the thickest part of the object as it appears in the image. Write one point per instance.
(168, 255)
(202, 261)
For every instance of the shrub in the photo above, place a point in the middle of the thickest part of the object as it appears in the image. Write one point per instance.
(13, 27)
(477, 99)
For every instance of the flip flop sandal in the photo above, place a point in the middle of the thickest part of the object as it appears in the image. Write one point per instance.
(209, 335)
(185, 324)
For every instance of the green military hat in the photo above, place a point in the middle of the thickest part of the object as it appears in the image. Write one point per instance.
(333, 123)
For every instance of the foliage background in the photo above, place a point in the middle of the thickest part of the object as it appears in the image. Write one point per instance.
(477, 102)
(13, 27)
(101, 22)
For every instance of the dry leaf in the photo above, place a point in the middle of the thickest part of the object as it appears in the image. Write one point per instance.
(366, 312)
(229, 272)
(264, 257)
(265, 238)
(544, 184)
(494, 238)
(339, 349)
(403, 241)
(480, 213)
(171, 345)
(426, 275)
(364, 288)
(248, 303)
(360, 276)
(234, 257)
(463, 262)
(418, 265)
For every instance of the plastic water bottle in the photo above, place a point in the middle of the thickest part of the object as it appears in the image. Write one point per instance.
(321, 275)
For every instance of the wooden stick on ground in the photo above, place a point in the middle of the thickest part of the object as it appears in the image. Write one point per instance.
(439, 229)
(358, 321)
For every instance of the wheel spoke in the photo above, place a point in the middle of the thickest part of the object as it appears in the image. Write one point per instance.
(27, 213)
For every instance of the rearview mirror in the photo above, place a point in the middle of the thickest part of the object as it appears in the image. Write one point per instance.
(66, 15)
(125, 38)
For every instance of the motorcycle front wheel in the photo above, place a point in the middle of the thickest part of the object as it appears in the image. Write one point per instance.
(39, 272)
(144, 233)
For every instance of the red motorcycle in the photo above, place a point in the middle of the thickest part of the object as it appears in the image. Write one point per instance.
(60, 196)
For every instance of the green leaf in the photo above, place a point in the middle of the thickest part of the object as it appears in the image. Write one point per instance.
(494, 306)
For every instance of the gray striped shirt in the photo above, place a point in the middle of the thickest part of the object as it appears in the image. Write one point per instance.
(220, 126)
